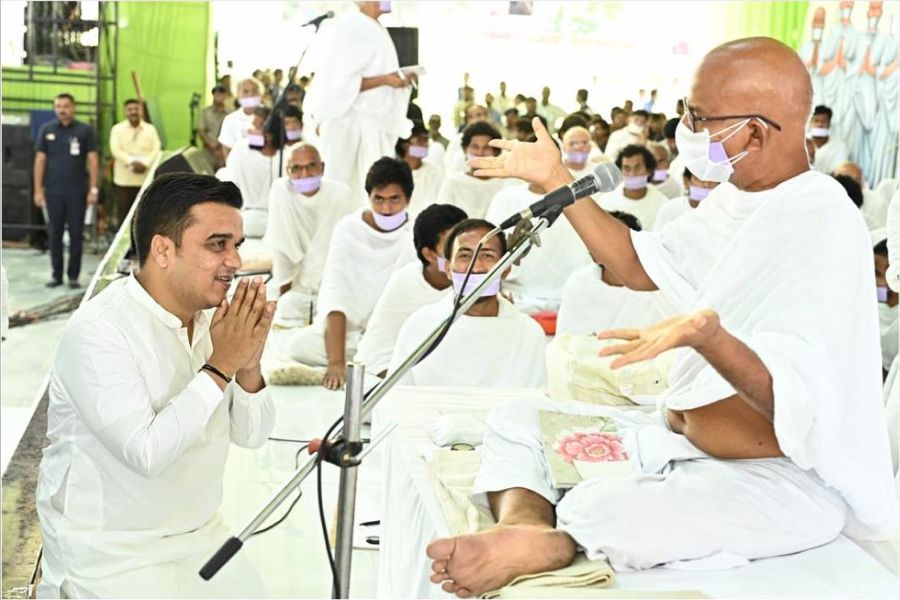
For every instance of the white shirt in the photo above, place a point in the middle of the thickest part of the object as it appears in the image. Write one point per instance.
(670, 188)
(620, 138)
(427, 181)
(830, 155)
(472, 194)
(644, 209)
(138, 438)
(888, 323)
(671, 210)
(235, 126)
(406, 292)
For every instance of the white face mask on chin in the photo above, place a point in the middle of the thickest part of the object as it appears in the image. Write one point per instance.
(706, 159)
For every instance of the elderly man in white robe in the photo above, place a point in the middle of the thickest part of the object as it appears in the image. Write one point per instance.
(367, 246)
(576, 151)
(830, 151)
(237, 124)
(463, 189)
(304, 209)
(427, 176)
(698, 191)
(742, 455)
(670, 187)
(359, 96)
(492, 345)
(148, 389)
(595, 300)
(635, 195)
(536, 283)
(410, 287)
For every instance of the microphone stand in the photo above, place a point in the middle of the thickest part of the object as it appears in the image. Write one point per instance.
(344, 449)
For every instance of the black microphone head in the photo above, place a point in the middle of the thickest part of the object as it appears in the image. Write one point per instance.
(605, 177)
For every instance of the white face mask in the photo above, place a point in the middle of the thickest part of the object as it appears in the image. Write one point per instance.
(817, 34)
(706, 159)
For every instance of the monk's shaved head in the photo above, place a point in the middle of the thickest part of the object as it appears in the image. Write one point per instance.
(756, 76)
(304, 152)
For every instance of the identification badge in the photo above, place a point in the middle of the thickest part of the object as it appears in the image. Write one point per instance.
(50, 137)
(74, 147)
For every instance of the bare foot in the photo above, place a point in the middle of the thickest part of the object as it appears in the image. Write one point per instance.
(470, 565)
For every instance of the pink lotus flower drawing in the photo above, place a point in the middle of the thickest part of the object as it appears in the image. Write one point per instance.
(590, 447)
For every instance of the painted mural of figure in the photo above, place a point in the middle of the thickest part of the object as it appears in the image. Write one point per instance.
(865, 100)
(839, 52)
(811, 53)
(883, 142)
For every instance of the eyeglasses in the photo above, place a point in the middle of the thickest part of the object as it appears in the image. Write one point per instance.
(693, 119)
(294, 169)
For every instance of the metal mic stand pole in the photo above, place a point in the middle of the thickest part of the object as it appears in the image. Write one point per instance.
(344, 449)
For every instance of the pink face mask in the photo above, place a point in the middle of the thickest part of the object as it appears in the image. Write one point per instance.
(635, 182)
(474, 280)
(442, 264)
(576, 157)
(293, 135)
(418, 151)
(307, 185)
(698, 193)
(250, 101)
(660, 175)
(389, 222)
(882, 294)
(256, 140)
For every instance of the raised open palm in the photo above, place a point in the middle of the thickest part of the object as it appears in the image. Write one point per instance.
(690, 331)
(535, 162)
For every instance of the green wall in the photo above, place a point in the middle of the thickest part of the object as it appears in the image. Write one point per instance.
(781, 20)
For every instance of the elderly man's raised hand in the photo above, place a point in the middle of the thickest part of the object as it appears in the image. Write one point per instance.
(536, 162)
(239, 329)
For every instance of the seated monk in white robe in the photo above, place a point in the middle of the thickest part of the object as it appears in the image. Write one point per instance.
(427, 176)
(669, 186)
(576, 151)
(635, 195)
(303, 211)
(756, 450)
(697, 189)
(492, 345)
(465, 190)
(412, 286)
(365, 249)
(595, 300)
(536, 283)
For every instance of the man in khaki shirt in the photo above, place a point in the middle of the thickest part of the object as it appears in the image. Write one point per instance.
(210, 123)
(135, 145)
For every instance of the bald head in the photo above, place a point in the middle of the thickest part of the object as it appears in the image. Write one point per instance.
(576, 136)
(851, 170)
(304, 161)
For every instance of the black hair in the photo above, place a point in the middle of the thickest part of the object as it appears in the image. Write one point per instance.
(480, 128)
(881, 248)
(823, 110)
(525, 126)
(130, 101)
(634, 150)
(853, 189)
(471, 225)
(277, 72)
(669, 129)
(641, 113)
(627, 218)
(387, 170)
(293, 88)
(616, 110)
(687, 174)
(511, 110)
(66, 96)
(573, 120)
(582, 93)
(292, 112)
(402, 145)
(165, 206)
(431, 223)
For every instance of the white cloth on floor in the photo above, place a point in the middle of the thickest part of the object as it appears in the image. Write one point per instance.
(679, 506)
(492, 352)
(253, 173)
(405, 293)
(890, 333)
(472, 194)
(670, 188)
(644, 209)
(356, 128)
(591, 305)
(235, 127)
(132, 477)
(671, 210)
(360, 262)
(427, 181)
(830, 154)
(299, 231)
(537, 283)
(818, 353)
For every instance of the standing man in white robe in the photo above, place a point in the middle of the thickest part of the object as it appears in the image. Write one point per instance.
(237, 124)
(427, 176)
(576, 150)
(698, 190)
(303, 211)
(762, 375)
(595, 300)
(830, 151)
(492, 345)
(670, 187)
(365, 250)
(410, 287)
(148, 389)
(465, 190)
(358, 99)
(635, 195)
(549, 111)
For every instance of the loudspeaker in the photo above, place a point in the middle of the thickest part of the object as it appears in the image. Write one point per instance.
(188, 159)
(18, 164)
(406, 41)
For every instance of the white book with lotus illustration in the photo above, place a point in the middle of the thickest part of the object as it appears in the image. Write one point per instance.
(580, 447)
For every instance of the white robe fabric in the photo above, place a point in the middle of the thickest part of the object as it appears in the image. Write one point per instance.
(831, 154)
(356, 128)
(299, 231)
(890, 334)
(644, 209)
(671, 210)
(405, 293)
(591, 305)
(670, 188)
(506, 351)
(819, 353)
(893, 242)
(676, 172)
(618, 139)
(235, 127)
(427, 181)
(875, 207)
(253, 173)
(537, 283)
(130, 485)
(360, 262)
(472, 194)
(455, 157)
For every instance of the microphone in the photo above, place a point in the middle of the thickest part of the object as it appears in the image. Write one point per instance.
(318, 20)
(604, 178)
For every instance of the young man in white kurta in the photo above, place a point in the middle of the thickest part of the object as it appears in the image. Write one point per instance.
(411, 287)
(635, 195)
(130, 486)
(357, 99)
(462, 189)
(492, 345)
(303, 212)
(237, 124)
(830, 151)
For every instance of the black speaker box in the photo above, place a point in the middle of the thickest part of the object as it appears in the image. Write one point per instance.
(188, 159)
(406, 40)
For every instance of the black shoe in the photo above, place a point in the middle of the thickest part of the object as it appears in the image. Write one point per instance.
(53, 283)
(74, 285)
